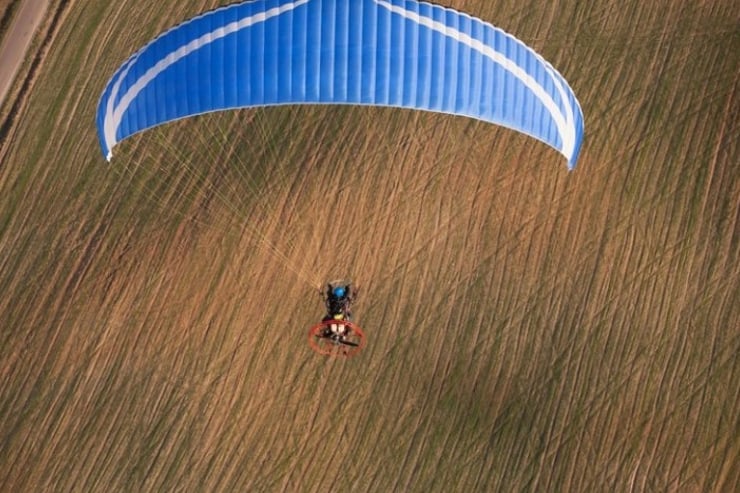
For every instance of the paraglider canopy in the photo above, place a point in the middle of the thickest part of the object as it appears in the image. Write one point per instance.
(399, 53)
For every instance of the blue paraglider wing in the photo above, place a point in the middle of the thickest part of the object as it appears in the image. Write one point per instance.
(398, 53)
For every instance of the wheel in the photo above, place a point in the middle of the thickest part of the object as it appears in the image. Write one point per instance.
(338, 338)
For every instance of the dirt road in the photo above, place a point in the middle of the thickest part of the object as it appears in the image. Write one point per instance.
(15, 44)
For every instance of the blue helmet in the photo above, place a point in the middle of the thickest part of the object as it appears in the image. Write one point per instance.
(339, 291)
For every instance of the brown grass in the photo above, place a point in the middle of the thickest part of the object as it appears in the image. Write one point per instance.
(529, 329)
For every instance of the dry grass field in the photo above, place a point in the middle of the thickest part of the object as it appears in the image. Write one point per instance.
(529, 329)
